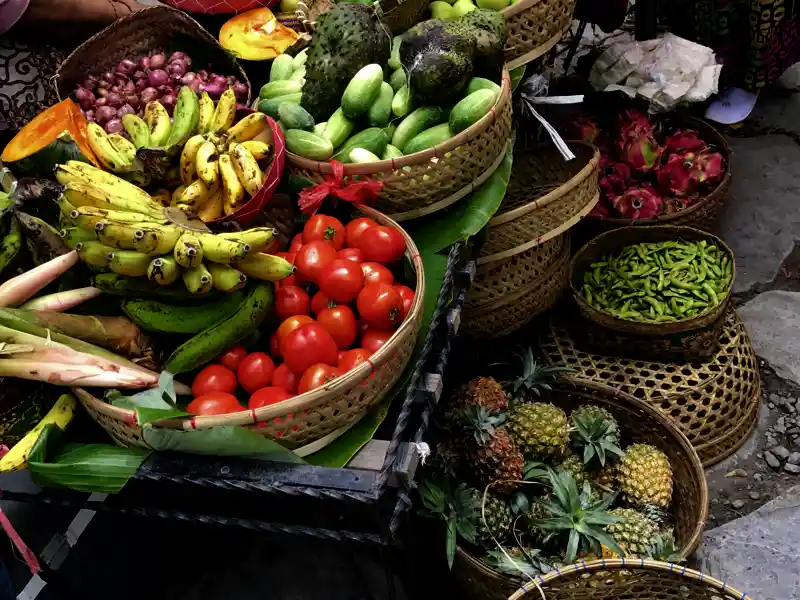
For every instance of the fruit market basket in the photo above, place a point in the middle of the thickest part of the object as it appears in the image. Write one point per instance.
(138, 34)
(534, 27)
(421, 183)
(310, 420)
(714, 403)
(639, 423)
(696, 337)
(627, 579)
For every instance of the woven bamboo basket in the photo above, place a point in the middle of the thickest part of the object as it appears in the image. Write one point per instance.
(546, 196)
(427, 181)
(714, 403)
(310, 420)
(688, 339)
(639, 423)
(534, 27)
(140, 33)
(631, 579)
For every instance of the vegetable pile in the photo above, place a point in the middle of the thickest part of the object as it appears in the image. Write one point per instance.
(659, 282)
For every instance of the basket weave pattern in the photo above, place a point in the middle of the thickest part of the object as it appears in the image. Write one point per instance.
(534, 27)
(714, 403)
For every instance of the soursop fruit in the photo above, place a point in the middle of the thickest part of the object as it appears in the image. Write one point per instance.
(488, 29)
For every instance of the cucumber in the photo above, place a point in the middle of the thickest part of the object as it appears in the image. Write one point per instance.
(209, 343)
(390, 129)
(398, 79)
(308, 145)
(281, 127)
(471, 109)
(271, 105)
(401, 103)
(415, 123)
(300, 59)
(282, 68)
(360, 155)
(381, 109)
(299, 75)
(319, 128)
(428, 139)
(273, 89)
(152, 315)
(338, 128)
(294, 116)
(391, 152)
(373, 139)
(394, 56)
(479, 83)
(362, 90)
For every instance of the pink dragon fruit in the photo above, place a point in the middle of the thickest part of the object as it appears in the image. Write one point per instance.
(583, 128)
(641, 201)
(642, 153)
(684, 140)
(708, 167)
(615, 178)
(633, 124)
(675, 177)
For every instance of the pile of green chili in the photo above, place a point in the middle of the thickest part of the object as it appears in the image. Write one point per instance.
(659, 281)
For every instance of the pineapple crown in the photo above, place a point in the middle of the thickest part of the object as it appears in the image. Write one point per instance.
(535, 378)
(455, 505)
(479, 422)
(598, 437)
(664, 549)
(527, 562)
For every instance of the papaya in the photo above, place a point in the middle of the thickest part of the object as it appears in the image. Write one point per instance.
(256, 35)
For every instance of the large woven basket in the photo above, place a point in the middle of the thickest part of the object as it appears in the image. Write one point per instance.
(631, 579)
(688, 339)
(714, 403)
(639, 423)
(310, 420)
(427, 181)
(534, 27)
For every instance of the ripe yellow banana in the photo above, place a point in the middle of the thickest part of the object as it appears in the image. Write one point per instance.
(258, 237)
(128, 262)
(212, 209)
(111, 191)
(232, 188)
(259, 150)
(157, 119)
(116, 235)
(188, 158)
(198, 279)
(60, 415)
(247, 169)
(195, 195)
(87, 217)
(176, 193)
(207, 163)
(153, 240)
(225, 278)
(247, 128)
(123, 146)
(188, 252)
(104, 150)
(265, 266)
(206, 113)
(164, 270)
(65, 208)
(162, 196)
(224, 113)
(220, 250)
(94, 253)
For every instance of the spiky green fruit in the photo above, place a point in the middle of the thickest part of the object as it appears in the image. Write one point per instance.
(634, 533)
(644, 476)
(539, 429)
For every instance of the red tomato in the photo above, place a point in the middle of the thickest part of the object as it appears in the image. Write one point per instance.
(355, 228)
(352, 358)
(320, 302)
(233, 356)
(290, 324)
(339, 357)
(284, 378)
(373, 339)
(214, 403)
(214, 378)
(341, 280)
(362, 327)
(275, 346)
(340, 322)
(353, 254)
(382, 244)
(380, 306)
(297, 243)
(256, 371)
(316, 376)
(306, 346)
(325, 229)
(407, 296)
(268, 395)
(376, 273)
(313, 258)
(291, 300)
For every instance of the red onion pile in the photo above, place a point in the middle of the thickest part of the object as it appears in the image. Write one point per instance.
(128, 89)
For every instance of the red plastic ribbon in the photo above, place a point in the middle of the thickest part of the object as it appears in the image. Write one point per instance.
(27, 554)
(357, 192)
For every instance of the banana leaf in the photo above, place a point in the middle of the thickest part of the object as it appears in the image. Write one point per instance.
(517, 75)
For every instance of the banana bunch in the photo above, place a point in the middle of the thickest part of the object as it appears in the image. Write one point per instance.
(117, 226)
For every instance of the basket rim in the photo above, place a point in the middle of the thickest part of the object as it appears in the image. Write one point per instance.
(514, 9)
(539, 50)
(423, 156)
(310, 399)
(629, 325)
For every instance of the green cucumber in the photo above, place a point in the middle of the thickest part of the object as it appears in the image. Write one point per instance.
(394, 56)
(360, 155)
(401, 103)
(338, 128)
(471, 109)
(362, 90)
(152, 315)
(373, 139)
(319, 129)
(299, 75)
(391, 152)
(428, 139)
(308, 145)
(294, 116)
(282, 68)
(271, 106)
(273, 89)
(415, 123)
(300, 59)
(398, 79)
(390, 129)
(209, 343)
(381, 109)
(479, 83)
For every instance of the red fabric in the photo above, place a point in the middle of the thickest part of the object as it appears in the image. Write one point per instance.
(219, 7)
(27, 554)
(358, 192)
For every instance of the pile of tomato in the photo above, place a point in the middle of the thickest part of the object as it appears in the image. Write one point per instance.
(338, 308)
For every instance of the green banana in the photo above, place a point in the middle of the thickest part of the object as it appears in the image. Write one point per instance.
(152, 315)
(116, 236)
(206, 113)
(141, 287)
(188, 251)
(154, 240)
(225, 278)
(94, 253)
(197, 279)
(137, 130)
(128, 262)
(65, 208)
(73, 235)
(220, 250)
(123, 146)
(185, 117)
(157, 119)
(164, 270)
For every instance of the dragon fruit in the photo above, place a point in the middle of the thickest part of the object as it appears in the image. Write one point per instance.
(600, 210)
(682, 172)
(615, 178)
(642, 153)
(641, 201)
(684, 140)
(583, 128)
(708, 167)
(634, 124)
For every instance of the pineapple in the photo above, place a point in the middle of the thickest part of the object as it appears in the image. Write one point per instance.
(481, 391)
(574, 464)
(498, 520)
(539, 429)
(594, 411)
(492, 457)
(595, 434)
(656, 514)
(645, 476)
(535, 379)
(516, 562)
(605, 479)
(634, 533)
(447, 458)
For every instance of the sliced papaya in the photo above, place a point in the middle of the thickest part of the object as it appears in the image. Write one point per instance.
(55, 135)
(256, 35)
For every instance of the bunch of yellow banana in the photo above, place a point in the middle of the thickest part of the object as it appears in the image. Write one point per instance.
(117, 226)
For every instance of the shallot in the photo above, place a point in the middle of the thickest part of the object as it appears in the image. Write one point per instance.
(126, 67)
